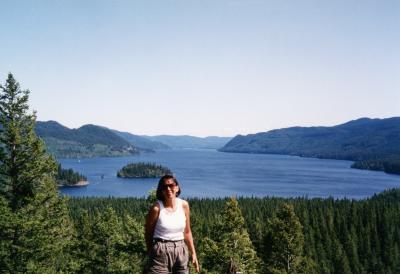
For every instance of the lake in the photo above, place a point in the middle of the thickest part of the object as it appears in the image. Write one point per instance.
(208, 173)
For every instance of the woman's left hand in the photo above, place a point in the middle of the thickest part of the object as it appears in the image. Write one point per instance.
(195, 263)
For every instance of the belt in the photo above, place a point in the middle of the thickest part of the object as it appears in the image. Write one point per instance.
(157, 240)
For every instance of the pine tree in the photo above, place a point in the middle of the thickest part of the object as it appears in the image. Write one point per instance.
(40, 232)
(286, 242)
(210, 256)
(340, 260)
(6, 222)
(236, 247)
(109, 244)
(230, 246)
(86, 251)
(135, 245)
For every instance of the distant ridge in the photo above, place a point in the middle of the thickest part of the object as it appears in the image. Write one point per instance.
(86, 141)
(187, 141)
(141, 142)
(95, 141)
(363, 139)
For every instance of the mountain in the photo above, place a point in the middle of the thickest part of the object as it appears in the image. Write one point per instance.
(365, 140)
(96, 141)
(86, 141)
(186, 141)
(141, 142)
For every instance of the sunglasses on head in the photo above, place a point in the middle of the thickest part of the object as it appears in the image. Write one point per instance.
(166, 186)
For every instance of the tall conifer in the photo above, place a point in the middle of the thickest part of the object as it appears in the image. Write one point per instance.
(237, 246)
(231, 247)
(40, 231)
(286, 242)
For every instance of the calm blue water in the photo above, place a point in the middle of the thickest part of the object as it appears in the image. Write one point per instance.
(208, 173)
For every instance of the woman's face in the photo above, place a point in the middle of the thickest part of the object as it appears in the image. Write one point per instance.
(170, 189)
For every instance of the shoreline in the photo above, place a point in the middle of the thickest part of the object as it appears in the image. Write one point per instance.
(81, 183)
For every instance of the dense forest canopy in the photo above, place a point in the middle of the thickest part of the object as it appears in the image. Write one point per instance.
(332, 235)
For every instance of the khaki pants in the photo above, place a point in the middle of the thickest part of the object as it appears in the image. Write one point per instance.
(169, 257)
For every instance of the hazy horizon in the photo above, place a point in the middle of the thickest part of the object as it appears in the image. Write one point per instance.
(205, 136)
(204, 68)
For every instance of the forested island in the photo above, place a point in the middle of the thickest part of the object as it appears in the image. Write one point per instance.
(143, 170)
(68, 177)
(372, 143)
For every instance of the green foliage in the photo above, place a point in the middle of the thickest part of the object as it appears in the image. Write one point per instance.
(233, 248)
(285, 241)
(109, 243)
(339, 235)
(143, 170)
(6, 229)
(37, 234)
(152, 197)
(24, 164)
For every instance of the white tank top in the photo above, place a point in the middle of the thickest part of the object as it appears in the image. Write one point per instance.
(170, 225)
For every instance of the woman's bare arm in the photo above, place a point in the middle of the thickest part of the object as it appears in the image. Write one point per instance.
(151, 221)
(188, 236)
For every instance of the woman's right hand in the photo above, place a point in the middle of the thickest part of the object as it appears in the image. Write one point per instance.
(151, 220)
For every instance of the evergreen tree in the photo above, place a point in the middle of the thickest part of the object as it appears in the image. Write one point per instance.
(210, 256)
(109, 244)
(341, 262)
(39, 234)
(6, 222)
(237, 247)
(135, 245)
(286, 242)
(86, 251)
(152, 196)
(233, 249)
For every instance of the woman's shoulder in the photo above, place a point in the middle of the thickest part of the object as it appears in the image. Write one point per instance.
(154, 212)
(156, 206)
(185, 204)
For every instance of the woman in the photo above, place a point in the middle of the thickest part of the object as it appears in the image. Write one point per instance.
(167, 231)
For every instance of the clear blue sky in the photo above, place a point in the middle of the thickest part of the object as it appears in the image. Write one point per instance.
(204, 67)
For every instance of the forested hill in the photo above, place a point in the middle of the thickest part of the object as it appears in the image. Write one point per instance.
(364, 140)
(86, 141)
(95, 141)
(187, 141)
(141, 142)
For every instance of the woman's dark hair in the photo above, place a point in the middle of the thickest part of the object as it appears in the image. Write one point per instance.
(162, 181)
